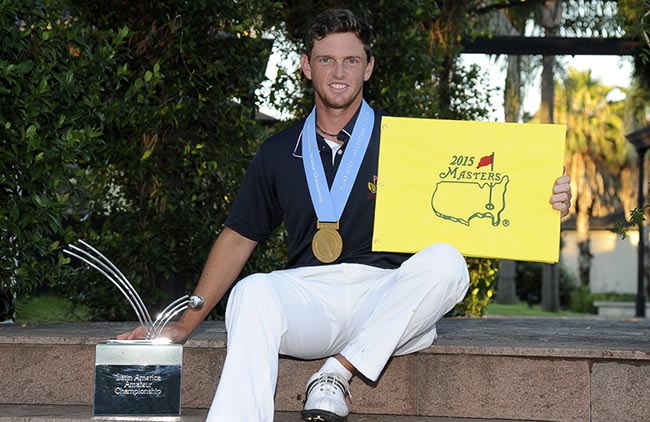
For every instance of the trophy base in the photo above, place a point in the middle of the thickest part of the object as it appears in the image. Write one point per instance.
(156, 341)
(138, 378)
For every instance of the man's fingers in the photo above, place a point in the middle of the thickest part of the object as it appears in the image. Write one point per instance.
(131, 335)
(561, 197)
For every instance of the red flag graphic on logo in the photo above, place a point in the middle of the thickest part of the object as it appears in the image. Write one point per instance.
(485, 161)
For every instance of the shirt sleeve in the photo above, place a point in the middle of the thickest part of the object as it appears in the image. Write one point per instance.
(256, 211)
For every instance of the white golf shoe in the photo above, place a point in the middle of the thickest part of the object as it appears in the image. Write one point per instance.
(326, 398)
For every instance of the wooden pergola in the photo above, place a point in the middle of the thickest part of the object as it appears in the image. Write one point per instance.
(554, 46)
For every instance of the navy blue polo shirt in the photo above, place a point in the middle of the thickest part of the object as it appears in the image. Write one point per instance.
(275, 191)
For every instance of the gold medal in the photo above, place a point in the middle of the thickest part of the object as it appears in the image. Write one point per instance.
(327, 244)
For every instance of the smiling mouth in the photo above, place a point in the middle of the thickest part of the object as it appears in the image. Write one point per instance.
(338, 86)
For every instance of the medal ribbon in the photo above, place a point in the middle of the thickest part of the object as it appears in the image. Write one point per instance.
(329, 204)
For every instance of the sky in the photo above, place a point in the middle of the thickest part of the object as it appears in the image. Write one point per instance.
(610, 70)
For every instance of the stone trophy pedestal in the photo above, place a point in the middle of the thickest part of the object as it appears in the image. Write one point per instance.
(138, 378)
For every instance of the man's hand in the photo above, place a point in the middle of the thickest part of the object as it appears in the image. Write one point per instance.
(226, 260)
(561, 198)
(175, 332)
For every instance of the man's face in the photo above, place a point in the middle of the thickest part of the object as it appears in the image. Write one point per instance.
(338, 68)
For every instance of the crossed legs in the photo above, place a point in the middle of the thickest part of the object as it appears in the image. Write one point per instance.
(363, 314)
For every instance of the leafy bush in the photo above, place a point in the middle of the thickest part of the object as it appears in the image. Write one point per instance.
(178, 149)
(482, 276)
(614, 297)
(52, 76)
(130, 125)
(133, 139)
(582, 300)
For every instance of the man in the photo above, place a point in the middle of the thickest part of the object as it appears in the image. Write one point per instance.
(335, 298)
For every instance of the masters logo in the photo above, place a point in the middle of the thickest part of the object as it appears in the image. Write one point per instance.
(483, 191)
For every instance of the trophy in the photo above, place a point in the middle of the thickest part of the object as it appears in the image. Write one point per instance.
(136, 377)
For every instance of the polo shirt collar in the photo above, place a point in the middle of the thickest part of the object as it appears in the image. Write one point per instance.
(344, 136)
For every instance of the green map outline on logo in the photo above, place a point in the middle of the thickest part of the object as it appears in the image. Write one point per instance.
(495, 218)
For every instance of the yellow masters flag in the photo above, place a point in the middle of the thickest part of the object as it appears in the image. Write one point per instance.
(483, 187)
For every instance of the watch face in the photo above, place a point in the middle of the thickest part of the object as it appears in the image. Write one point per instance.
(196, 302)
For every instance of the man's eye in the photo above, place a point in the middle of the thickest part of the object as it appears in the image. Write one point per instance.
(325, 60)
(353, 61)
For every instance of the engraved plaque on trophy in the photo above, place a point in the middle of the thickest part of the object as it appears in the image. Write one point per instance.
(136, 377)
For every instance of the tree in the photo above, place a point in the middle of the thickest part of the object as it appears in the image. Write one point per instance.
(132, 137)
(140, 145)
(177, 154)
(417, 47)
(550, 19)
(511, 22)
(597, 152)
(635, 17)
(572, 17)
(582, 18)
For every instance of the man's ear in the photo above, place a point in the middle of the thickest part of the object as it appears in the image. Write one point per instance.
(306, 67)
(369, 67)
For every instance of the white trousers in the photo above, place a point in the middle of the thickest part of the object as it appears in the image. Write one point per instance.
(367, 314)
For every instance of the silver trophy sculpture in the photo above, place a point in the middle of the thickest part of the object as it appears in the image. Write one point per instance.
(137, 377)
(151, 329)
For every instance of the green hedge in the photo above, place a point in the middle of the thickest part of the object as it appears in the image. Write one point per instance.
(130, 125)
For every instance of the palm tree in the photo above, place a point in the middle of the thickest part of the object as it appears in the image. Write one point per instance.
(596, 153)
(550, 18)
(509, 22)
(512, 21)
(554, 16)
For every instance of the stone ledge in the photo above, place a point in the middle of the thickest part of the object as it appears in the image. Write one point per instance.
(545, 369)
(618, 309)
(592, 338)
(54, 413)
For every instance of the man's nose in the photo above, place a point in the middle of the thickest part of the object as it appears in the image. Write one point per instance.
(339, 70)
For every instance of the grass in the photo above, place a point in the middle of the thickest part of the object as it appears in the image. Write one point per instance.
(57, 309)
(49, 309)
(619, 297)
(522, 309)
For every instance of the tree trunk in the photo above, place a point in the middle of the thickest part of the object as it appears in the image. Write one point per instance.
(643, 175)
(646, 262)
(584, 262)
(584, 202)
(551, 18)
(512, 94)
(550, 289)
(507, 293)
(548, 87)
(7, 304)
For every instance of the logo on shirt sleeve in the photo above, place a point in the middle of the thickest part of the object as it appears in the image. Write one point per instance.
(372, 187)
